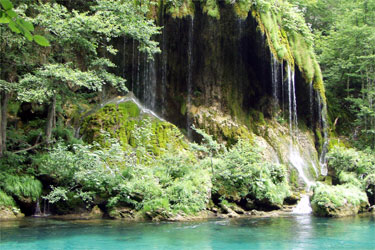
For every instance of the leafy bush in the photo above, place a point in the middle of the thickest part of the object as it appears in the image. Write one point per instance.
(81, 169)
(241, 173)
(338, 200)
(350, 160)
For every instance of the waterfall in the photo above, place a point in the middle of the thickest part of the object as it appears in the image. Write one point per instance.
(275, 81)
(311, 103)
(41, 213)
(149, 84)
(145, 80)
(303, 206)
(323, 121)
(189, 77)
(133, 67)
(290, 101)
(37, 211)
(152, 79)
(45, 207)
(295, 118)
(130, 97)
(292, 98)
(138, 73)
(124, 58)
(282, 85)
(295, 158)
(164, 58)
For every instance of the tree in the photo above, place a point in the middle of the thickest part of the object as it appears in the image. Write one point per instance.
(18, 24)
(77, 62)
(345, 42)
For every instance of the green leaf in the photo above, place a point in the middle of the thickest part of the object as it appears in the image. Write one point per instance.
(4, 18)
(28, 35)
(11, 13)
(27, 25)
(7, 5)
(41, 40)
(13, 27)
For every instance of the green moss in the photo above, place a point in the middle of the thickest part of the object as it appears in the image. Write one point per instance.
(181, 9)
(211, 8)
(242, 8)
(320, 138)
(120, 121)
(293, 177)
(183, 108)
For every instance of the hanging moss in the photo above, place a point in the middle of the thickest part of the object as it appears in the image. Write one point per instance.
(211, 8)
(288, 37)
(242, 8)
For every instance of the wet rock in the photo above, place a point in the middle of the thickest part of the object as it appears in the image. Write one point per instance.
(10, 213)
(96, 213)
(291, 200)
(121, 213)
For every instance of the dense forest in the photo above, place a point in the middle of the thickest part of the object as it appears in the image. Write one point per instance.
(176, 109)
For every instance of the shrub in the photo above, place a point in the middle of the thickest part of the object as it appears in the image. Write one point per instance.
(338, 200)
(241, 173)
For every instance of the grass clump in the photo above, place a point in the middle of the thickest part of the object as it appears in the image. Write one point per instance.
(21, 186)
(6, 200)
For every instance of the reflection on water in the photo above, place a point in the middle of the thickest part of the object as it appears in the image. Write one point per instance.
(294, 232)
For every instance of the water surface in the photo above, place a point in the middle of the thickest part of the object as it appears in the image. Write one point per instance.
(291, 232)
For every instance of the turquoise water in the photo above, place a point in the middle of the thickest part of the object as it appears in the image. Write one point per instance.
(293, 232)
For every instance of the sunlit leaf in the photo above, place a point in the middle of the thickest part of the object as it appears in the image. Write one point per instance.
(41, 40)
(13, 27)
(28, 25)
(11, 13)
(7, 5)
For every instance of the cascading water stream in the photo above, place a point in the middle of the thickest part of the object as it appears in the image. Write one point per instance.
(164, 64)
(37, 208)
(275, 81)
(295, 158)
(41, 213)
(189, 77)
(290, 102)
(323, 120)
(133, 65)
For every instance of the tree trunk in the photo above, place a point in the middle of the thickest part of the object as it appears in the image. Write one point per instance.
(51, 119)
(3, 121)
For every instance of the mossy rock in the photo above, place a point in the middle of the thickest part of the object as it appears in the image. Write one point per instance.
(10, 213)
(221, 126)
(338, 201)
(121, 119)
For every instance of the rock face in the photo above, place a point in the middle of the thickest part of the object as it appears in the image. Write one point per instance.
(338, 201)
(207, 62)
(219, 75)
